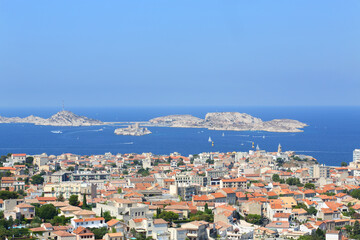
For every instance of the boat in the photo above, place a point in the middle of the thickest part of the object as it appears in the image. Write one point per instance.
(223, 134)
(264, 137)
(56, 132)
(210, 139)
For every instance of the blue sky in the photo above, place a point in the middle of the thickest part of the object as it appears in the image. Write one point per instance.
(160, 53)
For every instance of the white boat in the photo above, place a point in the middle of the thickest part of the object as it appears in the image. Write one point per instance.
(56, 132)
(210, 139)
(223, 134)
(264, 137)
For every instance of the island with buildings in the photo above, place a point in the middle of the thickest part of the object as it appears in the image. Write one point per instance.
(132, 130)
(210, 195)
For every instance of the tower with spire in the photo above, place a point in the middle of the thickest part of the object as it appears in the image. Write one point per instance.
(279, 148)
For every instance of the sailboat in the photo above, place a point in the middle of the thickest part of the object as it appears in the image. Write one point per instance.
(210, 139)
(223, 134)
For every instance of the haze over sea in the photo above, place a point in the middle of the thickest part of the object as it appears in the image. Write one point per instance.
(333, 133)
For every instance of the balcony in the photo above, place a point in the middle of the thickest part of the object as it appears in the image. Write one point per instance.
(192, 235)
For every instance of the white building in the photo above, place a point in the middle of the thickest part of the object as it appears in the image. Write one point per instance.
(89, 223)
(18, 157)
(41, 160)
(356, 159)
(160, 230)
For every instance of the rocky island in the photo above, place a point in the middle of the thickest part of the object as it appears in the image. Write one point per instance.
(132, 130)
(63, 118)
(232, 121)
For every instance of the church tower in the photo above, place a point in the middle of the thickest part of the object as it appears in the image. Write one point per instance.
(279, 148)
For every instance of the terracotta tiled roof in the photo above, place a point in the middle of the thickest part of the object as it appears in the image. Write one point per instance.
(89, 219)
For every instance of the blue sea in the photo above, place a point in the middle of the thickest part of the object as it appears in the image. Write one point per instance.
(333, 133)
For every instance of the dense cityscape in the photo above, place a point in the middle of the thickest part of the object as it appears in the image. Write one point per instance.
(235, 195)
(179, 120)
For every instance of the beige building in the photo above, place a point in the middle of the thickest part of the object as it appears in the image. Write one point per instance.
(63, 235)
(196, 230)
(114, 236)
(70, 188)
(239, 182)
(41, 160)
(25, 210)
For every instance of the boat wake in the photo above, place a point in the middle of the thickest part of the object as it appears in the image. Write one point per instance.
(90, 130)
(56, 132)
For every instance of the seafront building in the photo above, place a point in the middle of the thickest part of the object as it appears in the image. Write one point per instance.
(234, 195)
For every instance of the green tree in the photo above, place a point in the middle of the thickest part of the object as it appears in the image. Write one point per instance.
(143, 172)
(29, 160)
(355, 193)
(99, 232)
(356, 228)
(47, 212)
(37, 179)
(180, 163)
(74, 200)
(344, 164)
(119, 190)
(169, 216)
(209, 161)
(207, 210)
(202, 216)
(293, 181)
(71, 169)
(60, 220)
(276, 178)
(253, 218)
(60, 198)
(158, 211)
(280, 162)
(21, 192)
(85, 205)
(320, 233)
(8, 195)
(107, 216)
(309, 186)
(312, 210)
(35, 222)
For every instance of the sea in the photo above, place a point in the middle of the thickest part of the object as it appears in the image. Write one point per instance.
(332, 135)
